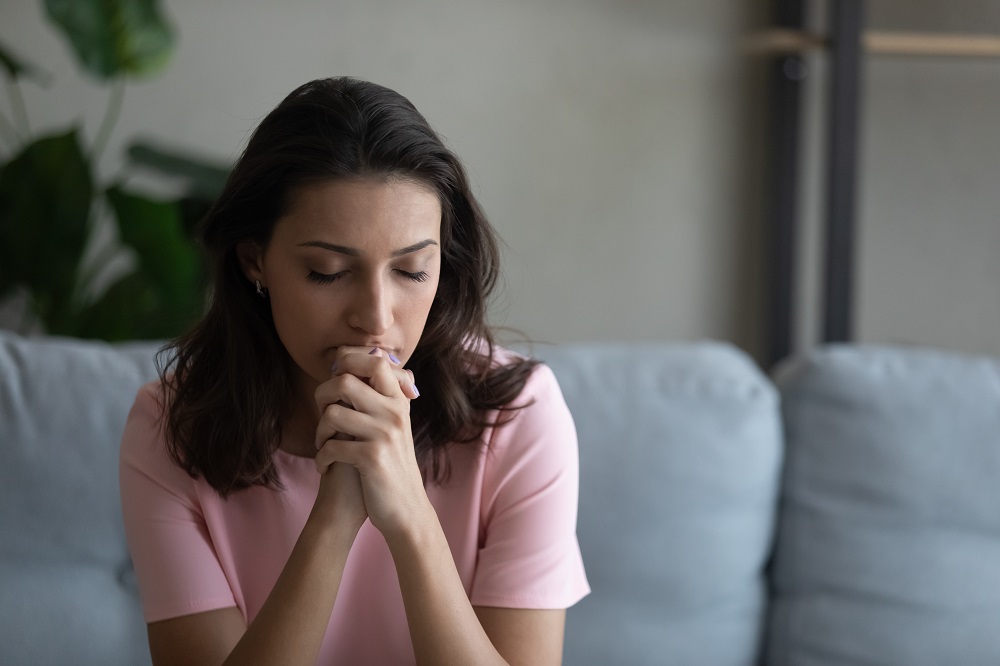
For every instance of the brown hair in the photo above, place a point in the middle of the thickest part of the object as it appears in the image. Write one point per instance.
(227, 381)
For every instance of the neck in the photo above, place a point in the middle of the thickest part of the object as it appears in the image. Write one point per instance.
(299, 433)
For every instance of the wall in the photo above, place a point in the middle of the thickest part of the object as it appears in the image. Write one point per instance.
(604, 138)
(928, 244)
(617, 146)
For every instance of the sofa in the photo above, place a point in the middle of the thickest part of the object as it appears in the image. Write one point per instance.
(843, 510)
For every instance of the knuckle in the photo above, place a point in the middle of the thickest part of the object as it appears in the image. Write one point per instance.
(379, 457)
(383, 432)
(398, 421)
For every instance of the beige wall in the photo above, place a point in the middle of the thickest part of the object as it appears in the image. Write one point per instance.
(616, 145)
(603, 137)
(929, 188)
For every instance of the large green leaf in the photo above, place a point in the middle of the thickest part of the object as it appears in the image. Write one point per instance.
(121, 313)
(168, 261)
(45, 197)
(193, 211)
(206, 179)
(114, 37)
(16, 68)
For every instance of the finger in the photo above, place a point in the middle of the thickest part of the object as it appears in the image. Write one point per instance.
(338, 421)
(376, 368)
(344, 352)
(355, 393)
(405, 377)
(338, 389)
(336, 450)
(407, 385)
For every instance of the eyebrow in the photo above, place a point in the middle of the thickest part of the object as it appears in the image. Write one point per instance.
(351, 252)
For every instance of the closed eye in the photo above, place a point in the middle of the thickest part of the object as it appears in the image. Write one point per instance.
(420, 276)
(323, 278)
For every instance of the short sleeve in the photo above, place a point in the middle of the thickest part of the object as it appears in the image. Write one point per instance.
(530, 556)
(175, 563)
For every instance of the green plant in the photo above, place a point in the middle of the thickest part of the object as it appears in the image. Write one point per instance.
(50, 202)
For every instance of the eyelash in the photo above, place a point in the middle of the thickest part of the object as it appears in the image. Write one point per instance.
(420, 276)
(323, 278)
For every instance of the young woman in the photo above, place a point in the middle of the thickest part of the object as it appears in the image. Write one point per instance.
(290, 495)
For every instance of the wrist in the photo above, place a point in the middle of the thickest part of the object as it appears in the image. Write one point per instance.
(417, 533)
(332, 532)
(332, 521)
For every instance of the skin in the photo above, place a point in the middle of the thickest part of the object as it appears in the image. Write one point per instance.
(351, 273)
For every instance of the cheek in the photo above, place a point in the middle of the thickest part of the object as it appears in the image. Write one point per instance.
(421, 307)
(300, 317)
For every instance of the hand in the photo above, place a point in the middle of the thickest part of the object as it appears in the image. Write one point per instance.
(339, 485)
(340, 495)
(365, 423)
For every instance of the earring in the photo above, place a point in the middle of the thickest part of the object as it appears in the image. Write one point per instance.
(260, 290)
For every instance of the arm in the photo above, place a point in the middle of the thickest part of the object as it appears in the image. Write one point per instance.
(175, 560)
(522, 636)
(444, 626)
(290, 627)
(525, 636)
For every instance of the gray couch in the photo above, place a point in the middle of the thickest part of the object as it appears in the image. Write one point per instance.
(846, 513)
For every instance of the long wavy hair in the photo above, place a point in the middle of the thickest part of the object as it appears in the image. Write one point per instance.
(228, 388)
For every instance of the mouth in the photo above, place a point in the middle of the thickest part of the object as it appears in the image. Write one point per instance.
(368, 346)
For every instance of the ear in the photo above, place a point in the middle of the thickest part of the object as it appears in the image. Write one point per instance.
(250, 257)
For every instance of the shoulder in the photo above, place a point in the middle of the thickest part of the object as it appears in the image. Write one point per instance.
(541, 385)
(143, 445)
(147, 412)
(537, 423)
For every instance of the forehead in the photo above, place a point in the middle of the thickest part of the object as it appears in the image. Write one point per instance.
(362, 211)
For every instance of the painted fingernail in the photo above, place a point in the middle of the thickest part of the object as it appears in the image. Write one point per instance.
(373, 351)
(416, 390)
(393, 358)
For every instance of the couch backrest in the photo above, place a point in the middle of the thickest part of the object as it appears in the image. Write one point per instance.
(68, 595)
(888, 550)
(680, 454)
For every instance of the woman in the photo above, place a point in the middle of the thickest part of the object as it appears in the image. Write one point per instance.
(290, 495)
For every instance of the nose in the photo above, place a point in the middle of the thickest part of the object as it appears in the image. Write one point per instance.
(371, 307)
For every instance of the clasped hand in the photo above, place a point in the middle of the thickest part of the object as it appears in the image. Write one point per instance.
(364, 441)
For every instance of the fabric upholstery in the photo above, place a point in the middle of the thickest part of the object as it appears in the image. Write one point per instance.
(680, 453)
(69, 595)
(889, 538)
(888, 534)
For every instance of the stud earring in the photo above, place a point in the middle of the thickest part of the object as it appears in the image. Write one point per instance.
(260, 290)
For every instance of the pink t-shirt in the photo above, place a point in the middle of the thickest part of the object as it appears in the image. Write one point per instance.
(508, 511)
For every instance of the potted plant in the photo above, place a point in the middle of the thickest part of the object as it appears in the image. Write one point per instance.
(51, 202)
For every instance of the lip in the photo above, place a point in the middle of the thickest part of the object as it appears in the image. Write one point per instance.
(369, 345)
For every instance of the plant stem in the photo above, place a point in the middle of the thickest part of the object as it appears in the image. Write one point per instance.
(17, 105)
(89, 270)
(110, 118)
(93, 270)
(8, 132)
(28, 316)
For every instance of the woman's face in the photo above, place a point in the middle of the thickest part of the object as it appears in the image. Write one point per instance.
(352, 263)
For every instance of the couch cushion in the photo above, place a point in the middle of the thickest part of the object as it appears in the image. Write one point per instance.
(888, 549)
(68, 592)
(680, 451)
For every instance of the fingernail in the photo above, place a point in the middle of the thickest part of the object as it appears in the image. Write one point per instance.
(373, 351)
(333, 368)
(393, 358)
(416, 390)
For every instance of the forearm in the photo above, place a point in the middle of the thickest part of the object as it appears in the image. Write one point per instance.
(290, 626)
(443, 625)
